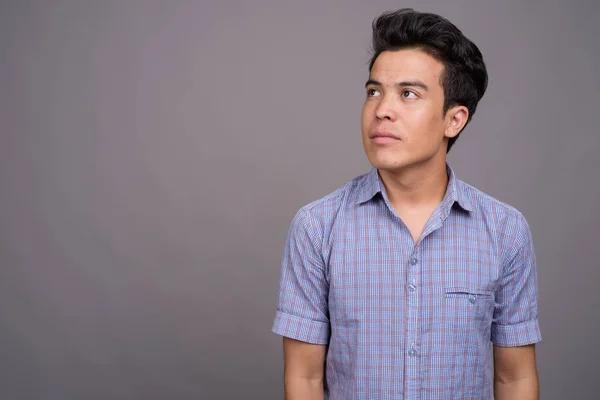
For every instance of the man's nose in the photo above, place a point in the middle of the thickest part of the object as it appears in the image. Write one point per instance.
(386, 109)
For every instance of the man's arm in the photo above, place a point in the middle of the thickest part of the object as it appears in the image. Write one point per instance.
(515, 373)
(303, 370)
(302, 316)
(515, 327)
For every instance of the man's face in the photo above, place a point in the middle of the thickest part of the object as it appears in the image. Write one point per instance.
(404, 101)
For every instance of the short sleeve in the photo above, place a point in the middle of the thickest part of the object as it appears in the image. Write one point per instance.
(516, 310)
(302, 308)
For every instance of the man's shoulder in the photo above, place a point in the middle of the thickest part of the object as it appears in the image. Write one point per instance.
(338, 196)
(487, 203)
(326, 208)
(502, 219)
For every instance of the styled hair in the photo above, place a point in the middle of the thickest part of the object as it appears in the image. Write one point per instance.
(464, 79)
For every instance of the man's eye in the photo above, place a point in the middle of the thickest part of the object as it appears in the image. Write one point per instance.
(372, 92)
(409, 94)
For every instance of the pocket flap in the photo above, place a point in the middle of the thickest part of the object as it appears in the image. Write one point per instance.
(461, 290)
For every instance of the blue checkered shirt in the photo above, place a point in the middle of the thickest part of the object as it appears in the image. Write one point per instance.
(406, 320)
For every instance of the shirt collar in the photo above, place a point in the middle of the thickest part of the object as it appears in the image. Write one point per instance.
(455, 192)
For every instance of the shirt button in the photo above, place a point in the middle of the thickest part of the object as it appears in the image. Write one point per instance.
(472, 298)
(412, 287)
(413, 261)
(412, 352)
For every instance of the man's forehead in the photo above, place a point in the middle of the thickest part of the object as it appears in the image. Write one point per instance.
(407, 64)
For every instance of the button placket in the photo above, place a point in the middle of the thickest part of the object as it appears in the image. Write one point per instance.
(412, 339)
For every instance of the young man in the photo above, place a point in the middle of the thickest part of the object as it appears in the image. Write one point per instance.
(396, 285)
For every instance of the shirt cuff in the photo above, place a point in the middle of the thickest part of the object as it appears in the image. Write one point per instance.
(516, 335)
(303, 329)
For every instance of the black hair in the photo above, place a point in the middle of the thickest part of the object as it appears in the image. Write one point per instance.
(465, 76)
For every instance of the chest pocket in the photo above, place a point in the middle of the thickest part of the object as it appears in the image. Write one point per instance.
(467, 308)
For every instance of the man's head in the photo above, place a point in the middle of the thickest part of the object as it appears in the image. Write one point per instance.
(425, 81)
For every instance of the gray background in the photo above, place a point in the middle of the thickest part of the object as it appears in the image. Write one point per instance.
(153, 153)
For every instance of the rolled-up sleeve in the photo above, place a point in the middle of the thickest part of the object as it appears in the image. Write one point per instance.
(516, 310)
(302, 309)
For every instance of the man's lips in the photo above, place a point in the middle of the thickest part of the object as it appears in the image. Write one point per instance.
(383, 137)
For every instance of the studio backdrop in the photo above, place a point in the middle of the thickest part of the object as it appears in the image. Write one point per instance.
(153, 154)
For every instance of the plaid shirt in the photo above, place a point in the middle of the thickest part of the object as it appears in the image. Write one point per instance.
(404, 320)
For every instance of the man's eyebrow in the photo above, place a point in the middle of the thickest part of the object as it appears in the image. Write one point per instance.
(373, 82)
(401, 84)
(414, 83)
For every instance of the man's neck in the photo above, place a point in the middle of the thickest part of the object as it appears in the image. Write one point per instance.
(417, 187)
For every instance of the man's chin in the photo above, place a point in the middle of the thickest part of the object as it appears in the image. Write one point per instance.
(387, 164)
(387, 158)
(391, 168)
(398, 162)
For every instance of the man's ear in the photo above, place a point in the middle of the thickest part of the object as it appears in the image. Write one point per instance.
(456, 119)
